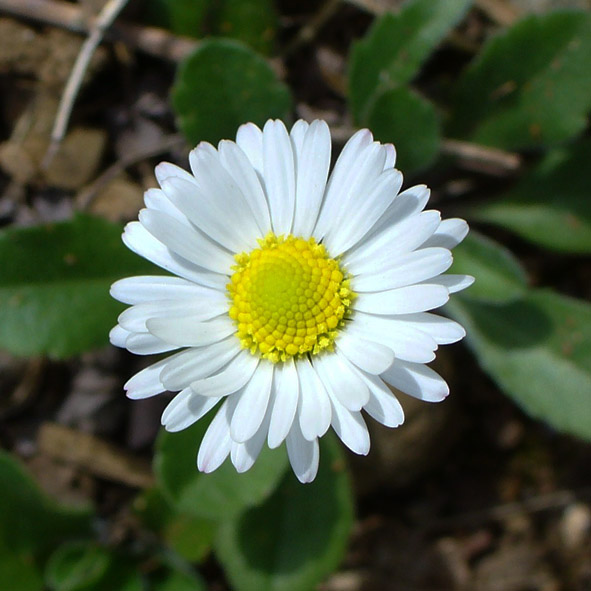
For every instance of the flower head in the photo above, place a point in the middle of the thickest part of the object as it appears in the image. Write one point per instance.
(296, 297)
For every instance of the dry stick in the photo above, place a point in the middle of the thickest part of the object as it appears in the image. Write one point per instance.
(85, 198)
(106, 17)
(65, 15)
(309, 31)
(477, 154)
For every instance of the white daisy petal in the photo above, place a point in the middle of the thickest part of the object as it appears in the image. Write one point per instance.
(140, 241)
(403, 300)
(190, 331)
(252, 404)
(279, 173)
(417, 380)
(340, 179)
(350, 427)
(244, 174)
(407, 340)
(134, 319)
(284, 403)
(144, 343)
(453, 283)
(409, 268)
(299, 298)
(186, 241)
(368, 168)
(146, 288)
(314, 411)
(303, 455)
(390, 156)
(312, 163)
(146, 383)
(382, 250)
(234, 377)
(367, 355)
(449, 234)
(198, 363)
(341, 381)
(250, 140)
(217, 442)
(223, 195)
(185, 409)
(360, 220)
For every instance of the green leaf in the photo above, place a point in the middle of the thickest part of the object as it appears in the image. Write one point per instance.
(183, 17)
(85, 566)
(23, 575)
(529, 87)
(217, 496)
(34, 523)
(54, 285)
(550, 206)
(223, 84)
(189, 536)
(251, 21)
(296, 537)
(499, 276)
(396, 47)
(402, 117)
(538, 349)
(176, 580)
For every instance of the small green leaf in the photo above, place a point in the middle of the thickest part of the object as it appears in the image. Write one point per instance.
(77, 566)
(176, 580)
(529, 87)
(538, 349)
(54, 285)
(402, 117)
(395, 48)
(34, 523)
(189, 536)
(217, 496)
(551, 205)
(297, 537)
(86, 566)
(223, 84)
(251, 21)
(499, 276)
(183, 17)
(23, 575)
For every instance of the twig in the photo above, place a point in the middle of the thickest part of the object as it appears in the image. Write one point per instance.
(85, 198)
(94, 455)
(500, 11)
(65, 15)
(106, 17)
(479, 156)
(309, 31)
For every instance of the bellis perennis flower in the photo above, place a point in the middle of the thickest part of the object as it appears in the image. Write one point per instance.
(296, 296)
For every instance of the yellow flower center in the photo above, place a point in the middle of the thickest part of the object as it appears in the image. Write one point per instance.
(288, 298)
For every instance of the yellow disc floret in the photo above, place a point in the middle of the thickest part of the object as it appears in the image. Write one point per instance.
(288, 298)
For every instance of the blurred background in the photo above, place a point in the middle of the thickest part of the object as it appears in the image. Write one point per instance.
(487, 102)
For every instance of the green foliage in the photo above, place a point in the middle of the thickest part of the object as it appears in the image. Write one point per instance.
(402, 117)
(220, 495)
(222, 85)
(396, 47)
(297, 536)
(529, 87)
(54, 285)
(17, 569)
(189, 536)
(34, 523)
(551, 205)
(538, 349)
(251, 21)
(500, 277)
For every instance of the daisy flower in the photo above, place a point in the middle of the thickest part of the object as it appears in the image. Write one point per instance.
(297, 297)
